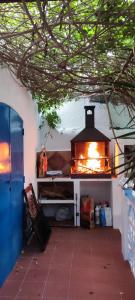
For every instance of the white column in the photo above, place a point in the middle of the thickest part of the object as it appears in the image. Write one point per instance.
(77, 201)
(124, 231)
(116, 204)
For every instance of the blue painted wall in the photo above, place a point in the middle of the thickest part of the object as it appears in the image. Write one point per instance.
(11, 191)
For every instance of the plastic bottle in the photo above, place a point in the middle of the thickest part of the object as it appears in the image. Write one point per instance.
(97, 215)
(102, 217)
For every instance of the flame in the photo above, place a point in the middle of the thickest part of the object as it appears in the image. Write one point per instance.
(91, 162)
(80, 164)
(91, 158)
(5, 163)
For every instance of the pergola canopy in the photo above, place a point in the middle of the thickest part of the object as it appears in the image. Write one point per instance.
(60, 49)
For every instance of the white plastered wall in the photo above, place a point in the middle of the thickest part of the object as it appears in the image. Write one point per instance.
(72, 116)
(118, 206)
(17, 97)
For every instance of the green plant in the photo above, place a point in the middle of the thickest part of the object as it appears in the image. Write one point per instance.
(52, 119)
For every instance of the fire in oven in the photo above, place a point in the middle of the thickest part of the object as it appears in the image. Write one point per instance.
(90, 150)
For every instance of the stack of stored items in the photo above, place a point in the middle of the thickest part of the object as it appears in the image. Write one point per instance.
(103, 215)
(91, 215)
(87, 212)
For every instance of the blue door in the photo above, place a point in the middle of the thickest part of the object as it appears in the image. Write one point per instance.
(11, 189)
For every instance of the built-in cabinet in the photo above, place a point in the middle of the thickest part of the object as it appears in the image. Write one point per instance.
(59, 192)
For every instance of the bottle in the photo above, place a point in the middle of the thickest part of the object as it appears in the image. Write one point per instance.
(97, 215)
(102, 217)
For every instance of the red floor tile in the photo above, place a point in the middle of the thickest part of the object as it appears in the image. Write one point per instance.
(10, 289)
(58, 274)
(30, 290)
(36, 276)
(57, 290)
(7, 298)
(26, 298)
(78, 264)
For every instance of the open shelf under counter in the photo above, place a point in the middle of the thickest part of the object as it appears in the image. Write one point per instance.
(67, 192)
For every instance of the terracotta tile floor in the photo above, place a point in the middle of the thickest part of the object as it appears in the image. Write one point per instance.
(78, 264)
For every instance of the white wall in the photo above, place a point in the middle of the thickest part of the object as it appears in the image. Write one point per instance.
(72, 116)
(118, 207)
(17, 97)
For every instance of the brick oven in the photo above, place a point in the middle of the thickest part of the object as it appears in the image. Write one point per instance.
(90, 156)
